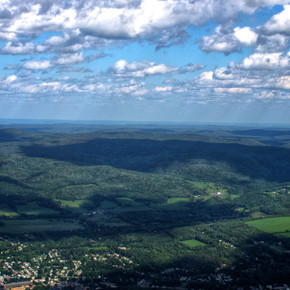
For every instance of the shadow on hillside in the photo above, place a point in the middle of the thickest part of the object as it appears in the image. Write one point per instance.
(265, 261)
(145, 155)
(110, 223)
(262, 133)
(16, 135)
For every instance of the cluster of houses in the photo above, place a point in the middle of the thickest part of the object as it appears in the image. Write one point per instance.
(226, 244)
(10, 270)
(48, 268)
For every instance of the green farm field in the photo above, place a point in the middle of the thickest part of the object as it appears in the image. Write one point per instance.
(72, 203)
(8, 212)
(173, 200)
(273, 225)
(32, 208)
(209, 186)
(193, 243)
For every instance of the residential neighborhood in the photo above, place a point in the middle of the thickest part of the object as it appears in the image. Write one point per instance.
(49, 268)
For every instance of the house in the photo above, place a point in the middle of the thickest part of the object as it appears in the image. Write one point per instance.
(216, 194)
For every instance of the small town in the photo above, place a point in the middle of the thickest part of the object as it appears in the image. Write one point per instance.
(53, 271)
(49, 269)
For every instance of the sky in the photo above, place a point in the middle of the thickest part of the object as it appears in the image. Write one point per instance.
(145, 60)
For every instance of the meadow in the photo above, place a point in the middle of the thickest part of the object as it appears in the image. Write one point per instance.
(7, 212)
(274, 225)
(73, 203)
(32, 208)
(193, 243)
(173, 200)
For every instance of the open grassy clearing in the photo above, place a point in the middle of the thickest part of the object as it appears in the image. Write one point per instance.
(73, 203)
(173, 200)
(274, 225)
(258, 215)
(32, 208)
(7, 212)
(202, 185)
(193, 243)
(205, 197)
(209, 187)
(75, 206)
(37, 225)
(212, 189)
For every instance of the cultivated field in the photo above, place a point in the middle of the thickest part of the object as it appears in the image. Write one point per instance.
(275, 225)
(72, 203)
(193, 243)
(32, 208)
(173, 200)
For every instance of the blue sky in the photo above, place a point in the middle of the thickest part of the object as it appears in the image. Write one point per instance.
(146, 60)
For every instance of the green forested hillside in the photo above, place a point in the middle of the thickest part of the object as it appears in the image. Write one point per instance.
(179, 200)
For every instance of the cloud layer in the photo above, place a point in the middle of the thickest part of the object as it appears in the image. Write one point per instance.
(90, 23)
(59, 49)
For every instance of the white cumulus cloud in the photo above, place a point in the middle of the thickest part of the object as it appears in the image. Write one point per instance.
(18, 48)
(37, 65)
(163, 89)
(266, 61)
(139, 69)
(245, 35)
(69, 58)
(208, 75)
(10, 79)
(8, 36)
(143, 19)
(279, 23)
(233, 90)
(228, 40)
(223, 73)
